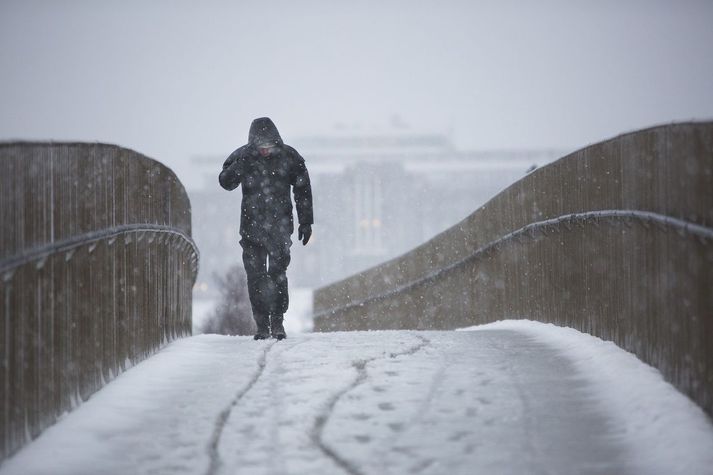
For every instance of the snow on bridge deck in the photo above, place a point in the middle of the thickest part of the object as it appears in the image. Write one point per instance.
(515, 398)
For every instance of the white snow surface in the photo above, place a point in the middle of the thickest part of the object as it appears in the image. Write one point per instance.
(668, 432)
(508, 398)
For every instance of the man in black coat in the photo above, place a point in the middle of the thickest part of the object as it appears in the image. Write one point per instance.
(267, 168)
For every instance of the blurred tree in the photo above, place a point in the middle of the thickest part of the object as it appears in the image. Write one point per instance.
(232, 315)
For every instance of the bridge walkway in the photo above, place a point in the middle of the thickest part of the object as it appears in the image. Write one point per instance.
(504, 400)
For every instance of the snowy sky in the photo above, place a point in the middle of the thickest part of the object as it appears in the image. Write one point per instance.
(174, 79)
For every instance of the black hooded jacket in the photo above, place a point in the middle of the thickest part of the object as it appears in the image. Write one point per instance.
(266, 211)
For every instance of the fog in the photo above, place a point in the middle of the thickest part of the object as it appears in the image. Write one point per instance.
(427, 201)
(178, 79)
(473, 94)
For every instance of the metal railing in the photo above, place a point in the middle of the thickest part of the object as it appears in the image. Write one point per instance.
(96, 271)
(615, 240)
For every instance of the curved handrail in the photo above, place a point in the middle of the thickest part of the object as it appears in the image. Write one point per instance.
(64, 245)
(635, 216)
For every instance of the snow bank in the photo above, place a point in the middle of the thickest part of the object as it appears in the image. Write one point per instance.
(667, 432)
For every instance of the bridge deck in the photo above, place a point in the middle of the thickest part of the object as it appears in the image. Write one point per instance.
(496, 401)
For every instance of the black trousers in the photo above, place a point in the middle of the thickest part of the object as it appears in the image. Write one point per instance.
(266, 269)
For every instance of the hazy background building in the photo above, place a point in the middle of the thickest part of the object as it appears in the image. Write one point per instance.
(376, 195)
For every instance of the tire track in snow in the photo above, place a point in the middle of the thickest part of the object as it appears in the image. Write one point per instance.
(321, 420)
(222, 419)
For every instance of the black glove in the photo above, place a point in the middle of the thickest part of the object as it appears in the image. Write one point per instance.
(230, 176)
(304, 232)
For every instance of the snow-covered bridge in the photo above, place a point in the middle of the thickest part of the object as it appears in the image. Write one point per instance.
(511, 399)
(614, 241)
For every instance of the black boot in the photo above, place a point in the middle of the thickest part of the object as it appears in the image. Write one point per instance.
(278, 331)
(263, 332)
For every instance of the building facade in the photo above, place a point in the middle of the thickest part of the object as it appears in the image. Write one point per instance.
(375, 197)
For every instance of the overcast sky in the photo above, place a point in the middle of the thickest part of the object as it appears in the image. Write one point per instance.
(177, 79)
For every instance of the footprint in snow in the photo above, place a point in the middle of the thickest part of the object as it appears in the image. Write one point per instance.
(458, 435)
(396, 426)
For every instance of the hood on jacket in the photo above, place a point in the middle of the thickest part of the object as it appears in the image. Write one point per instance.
(263, 132)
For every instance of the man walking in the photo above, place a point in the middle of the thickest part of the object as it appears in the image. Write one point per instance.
(267, 168)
